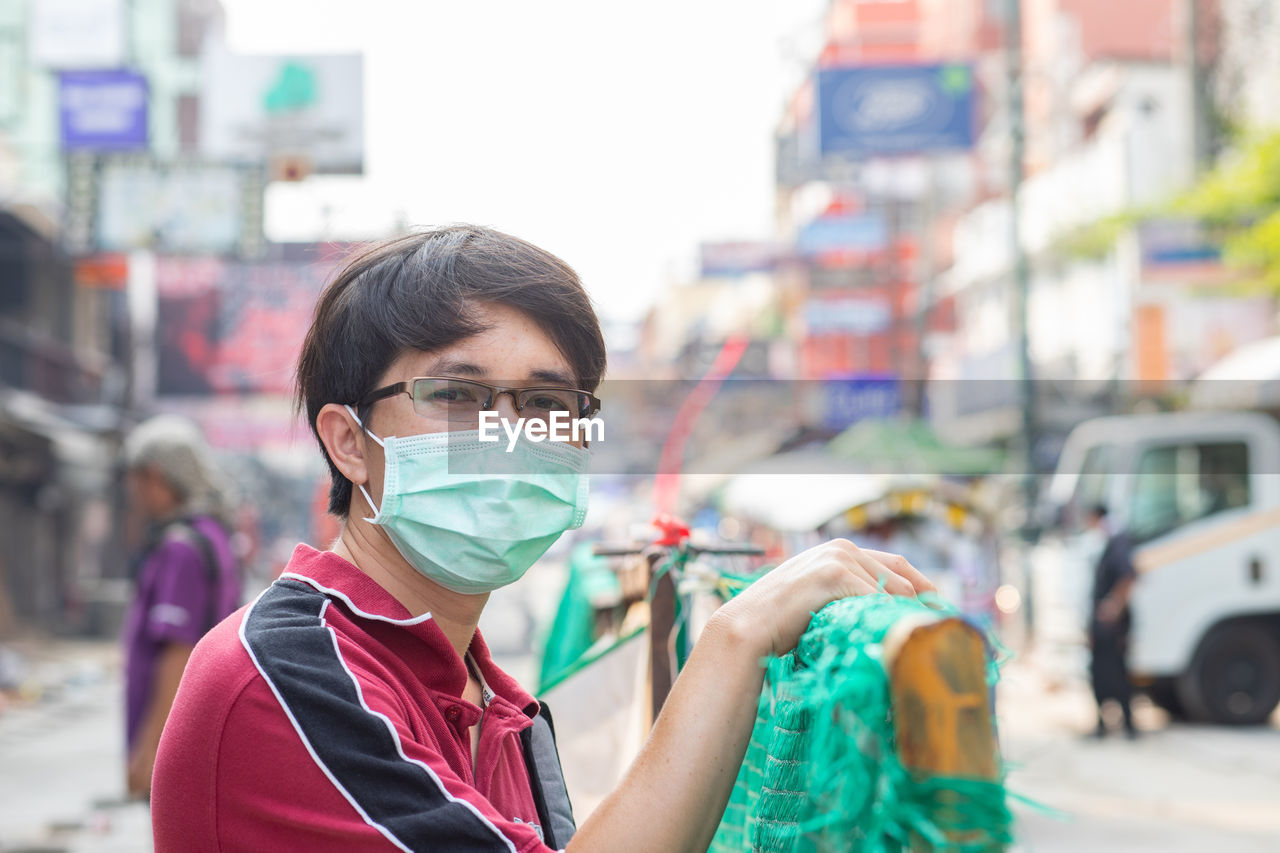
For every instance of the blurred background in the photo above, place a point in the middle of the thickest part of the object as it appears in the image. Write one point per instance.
(936, 275)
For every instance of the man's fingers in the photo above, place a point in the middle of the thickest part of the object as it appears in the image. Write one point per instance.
(880, 574)
(899, 565)
(863, 586)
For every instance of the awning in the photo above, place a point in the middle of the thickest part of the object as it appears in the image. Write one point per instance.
(910, 447)
(799, 491)
(1247, 378)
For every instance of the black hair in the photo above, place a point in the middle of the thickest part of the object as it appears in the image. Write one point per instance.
(420, 292)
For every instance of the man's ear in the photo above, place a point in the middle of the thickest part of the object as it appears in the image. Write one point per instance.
(344, 441)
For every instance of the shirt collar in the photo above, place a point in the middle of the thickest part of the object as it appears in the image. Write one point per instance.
(365, 599)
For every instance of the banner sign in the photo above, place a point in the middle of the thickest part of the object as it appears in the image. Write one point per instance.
(102, 110)
(77, 33)
(307, 110)
(738, 258)
(886, 110)
(120, 202)
(232, 327)
(851, 315)
(860, 232)
(847, 401)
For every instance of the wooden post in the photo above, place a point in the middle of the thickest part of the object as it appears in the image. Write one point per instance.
(943, 725)
(662, 617)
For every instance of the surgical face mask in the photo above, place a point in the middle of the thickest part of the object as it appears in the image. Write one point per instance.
(471, 515)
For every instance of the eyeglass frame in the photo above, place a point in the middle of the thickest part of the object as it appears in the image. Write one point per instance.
(495, 391)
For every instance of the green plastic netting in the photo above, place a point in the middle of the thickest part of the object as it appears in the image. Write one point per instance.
(822, 771)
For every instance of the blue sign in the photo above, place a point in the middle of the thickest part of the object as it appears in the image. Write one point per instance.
(847, 401)
(855, 316)
(103, 110)
(890, 110)
(842, 233)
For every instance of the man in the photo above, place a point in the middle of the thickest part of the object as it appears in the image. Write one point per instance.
(1109, 622)
(354, 706)
(187, 580)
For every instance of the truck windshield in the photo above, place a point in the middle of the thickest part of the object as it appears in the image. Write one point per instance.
(1181, 483)
(1091, 487)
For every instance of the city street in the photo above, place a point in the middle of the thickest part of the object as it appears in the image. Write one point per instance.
(1178, 788)
(61, 758)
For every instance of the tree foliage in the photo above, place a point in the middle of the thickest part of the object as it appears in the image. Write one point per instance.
(1237, 201)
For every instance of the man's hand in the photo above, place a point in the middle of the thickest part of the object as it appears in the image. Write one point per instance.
(775, 610)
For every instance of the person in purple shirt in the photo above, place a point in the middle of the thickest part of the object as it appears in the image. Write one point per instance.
(188, 580)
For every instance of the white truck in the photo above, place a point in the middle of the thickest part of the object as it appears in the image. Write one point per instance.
(1200, 494)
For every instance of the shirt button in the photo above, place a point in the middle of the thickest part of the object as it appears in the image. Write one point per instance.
(453, 714)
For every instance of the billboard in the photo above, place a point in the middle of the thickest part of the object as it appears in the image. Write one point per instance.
(121, 202)
(102, 110)
(77, 33)
(234, 327)
(886, 110)
(306, 109)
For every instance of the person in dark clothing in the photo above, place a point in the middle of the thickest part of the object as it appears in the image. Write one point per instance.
(1110, 621)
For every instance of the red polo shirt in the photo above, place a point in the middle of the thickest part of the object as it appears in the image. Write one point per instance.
(322, 717)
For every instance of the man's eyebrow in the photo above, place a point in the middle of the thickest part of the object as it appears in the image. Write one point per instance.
(448, 366)
(555, 377)
(453, 367)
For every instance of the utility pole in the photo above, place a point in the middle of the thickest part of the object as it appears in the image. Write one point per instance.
(1200, 133)
(1021, 278)
(925, 293)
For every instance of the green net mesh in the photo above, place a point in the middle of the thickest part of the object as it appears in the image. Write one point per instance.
(822, 771)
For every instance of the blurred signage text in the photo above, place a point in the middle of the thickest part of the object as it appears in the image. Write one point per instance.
(856, 232)
(847, 401)
(738, 258)
(301, 109)
(102, 110)
(884, 110)
(77, 33)
(121, 202)
(859, 315)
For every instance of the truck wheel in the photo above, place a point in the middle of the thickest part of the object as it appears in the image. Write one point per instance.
(1234, 677)
(1164, 693)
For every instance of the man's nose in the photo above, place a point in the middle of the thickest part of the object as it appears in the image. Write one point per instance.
(504, 403)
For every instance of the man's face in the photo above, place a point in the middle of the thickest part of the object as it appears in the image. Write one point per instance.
(512, 352)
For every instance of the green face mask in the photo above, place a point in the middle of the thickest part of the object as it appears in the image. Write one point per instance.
(471, 515)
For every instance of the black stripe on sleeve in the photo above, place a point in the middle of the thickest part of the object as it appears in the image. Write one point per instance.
(354, 746)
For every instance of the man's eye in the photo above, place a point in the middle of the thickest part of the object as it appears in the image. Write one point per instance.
(453, 395)
(548, 402)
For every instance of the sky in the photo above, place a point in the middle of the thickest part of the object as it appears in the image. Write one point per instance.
(617, 136)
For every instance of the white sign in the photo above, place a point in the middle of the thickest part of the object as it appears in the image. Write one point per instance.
(256, 108)
(73, 34)
(123, 202)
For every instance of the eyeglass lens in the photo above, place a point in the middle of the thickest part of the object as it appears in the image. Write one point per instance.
(461, 401)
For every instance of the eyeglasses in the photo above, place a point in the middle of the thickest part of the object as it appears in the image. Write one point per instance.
(443, 398)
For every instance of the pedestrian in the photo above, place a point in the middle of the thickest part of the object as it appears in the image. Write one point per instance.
(354, 705)
(1110, 621)
(187, 578)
